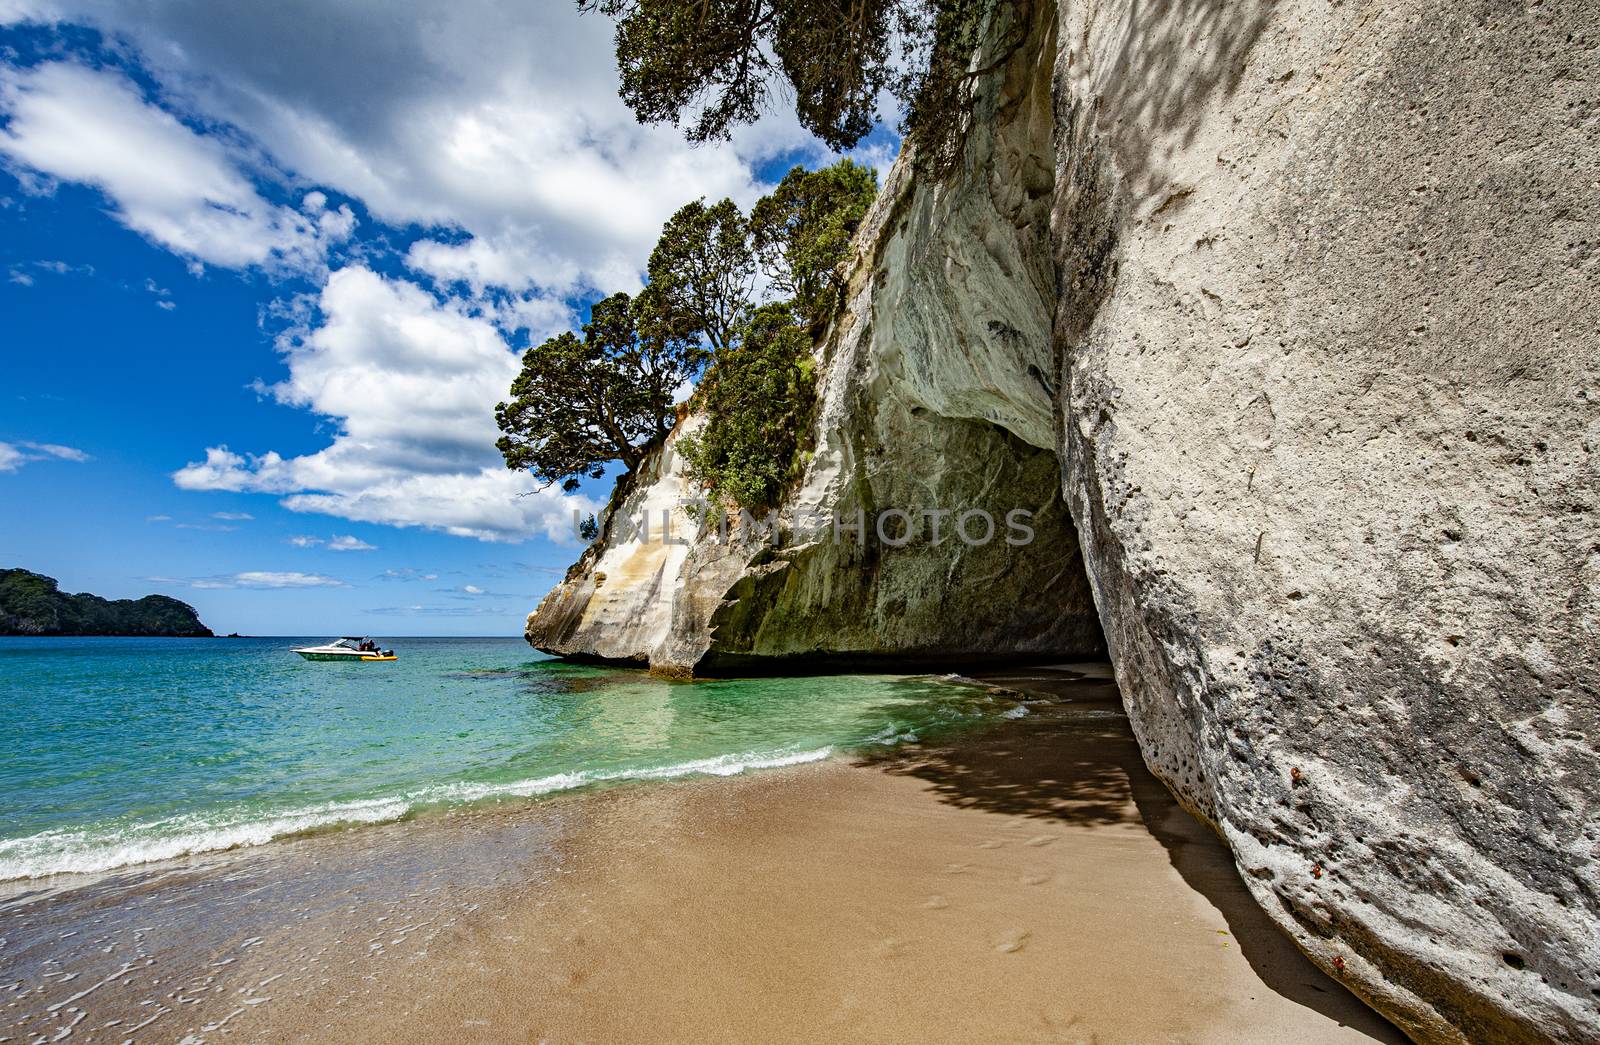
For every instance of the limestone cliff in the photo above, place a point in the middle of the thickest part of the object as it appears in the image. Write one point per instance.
(1296, 304)
(1327, 341)
(934, 396)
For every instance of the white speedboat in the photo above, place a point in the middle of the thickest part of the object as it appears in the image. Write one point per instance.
(348, 648)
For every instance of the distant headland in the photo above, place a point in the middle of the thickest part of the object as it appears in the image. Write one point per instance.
(33, 604)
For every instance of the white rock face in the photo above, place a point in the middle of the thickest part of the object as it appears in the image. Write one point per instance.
(1297, 302)
(1328, 331)
(934, 395)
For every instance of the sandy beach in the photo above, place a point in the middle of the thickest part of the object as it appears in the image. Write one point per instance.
(1028, 882)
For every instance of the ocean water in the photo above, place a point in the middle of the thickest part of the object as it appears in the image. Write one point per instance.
(124, 751)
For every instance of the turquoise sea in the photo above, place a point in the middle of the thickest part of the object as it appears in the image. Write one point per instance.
(123, 751)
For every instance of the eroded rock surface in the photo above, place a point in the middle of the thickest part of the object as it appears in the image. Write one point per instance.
(934, 396)
(1297, 303)
(1328, 339)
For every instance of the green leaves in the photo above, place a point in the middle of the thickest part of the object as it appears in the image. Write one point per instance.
(708, 65)
(678, 55)
(702, 271)
(712, 65)
(760, 398)
(801, 232)
(581, 402)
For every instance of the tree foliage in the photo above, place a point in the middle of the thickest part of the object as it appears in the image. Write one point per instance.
(32, 604)
(712, 65)
(702, 271)
(801, 232)
(759, 399)
(580, 402)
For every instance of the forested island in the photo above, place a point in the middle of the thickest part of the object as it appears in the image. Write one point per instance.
(33, 604)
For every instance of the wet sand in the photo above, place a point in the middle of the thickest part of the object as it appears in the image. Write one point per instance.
(1030, 882)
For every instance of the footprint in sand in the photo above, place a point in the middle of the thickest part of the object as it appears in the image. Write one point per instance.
(956, 868)
(936, 903)
(1012, 942)
(1038, 840)
(993, 843)
(1035, 879)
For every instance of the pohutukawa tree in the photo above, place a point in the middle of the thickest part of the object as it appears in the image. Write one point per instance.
(760, 398)
(801, 233)
(712, 65)
(582, 402)
(702, 272)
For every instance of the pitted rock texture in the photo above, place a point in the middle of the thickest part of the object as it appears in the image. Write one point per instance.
(1327, 331)
(934, 396)
(1297, 303)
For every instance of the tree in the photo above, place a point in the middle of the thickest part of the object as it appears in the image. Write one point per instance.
(835, 55)
(702, 272)
(715, 59)
(759, 399)
(713, 65)
(580, 403)
(801, 232)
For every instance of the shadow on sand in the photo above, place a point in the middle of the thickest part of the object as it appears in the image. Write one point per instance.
(1073, 758)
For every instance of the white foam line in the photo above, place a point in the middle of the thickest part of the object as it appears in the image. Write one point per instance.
(68, 852)
(126, 968)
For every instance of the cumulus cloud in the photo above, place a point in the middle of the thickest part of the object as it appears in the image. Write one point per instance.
(500, 120)
(411, 383)
(492, 128)
(14, 455)
(178, 188)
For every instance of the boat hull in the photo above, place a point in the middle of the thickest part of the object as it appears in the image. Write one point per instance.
(345, 656)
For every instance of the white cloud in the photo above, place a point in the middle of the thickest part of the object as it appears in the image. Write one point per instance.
(263, 579)
(305, 542)
(472, 589)
(494, 118)
(350, 544)
(406, 573)
(492, 126)
(14, 455)
(232, 516)
(22, 11)
(225, 470)
(65, 453)
(180, 189)
(412, 385)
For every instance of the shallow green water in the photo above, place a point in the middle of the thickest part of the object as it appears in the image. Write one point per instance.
(121, 751)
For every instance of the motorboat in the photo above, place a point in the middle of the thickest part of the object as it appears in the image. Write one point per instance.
(351, 647)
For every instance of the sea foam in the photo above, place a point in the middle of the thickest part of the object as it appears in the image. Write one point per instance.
(91, 851)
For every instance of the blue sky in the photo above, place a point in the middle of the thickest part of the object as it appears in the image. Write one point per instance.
(263, 278)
